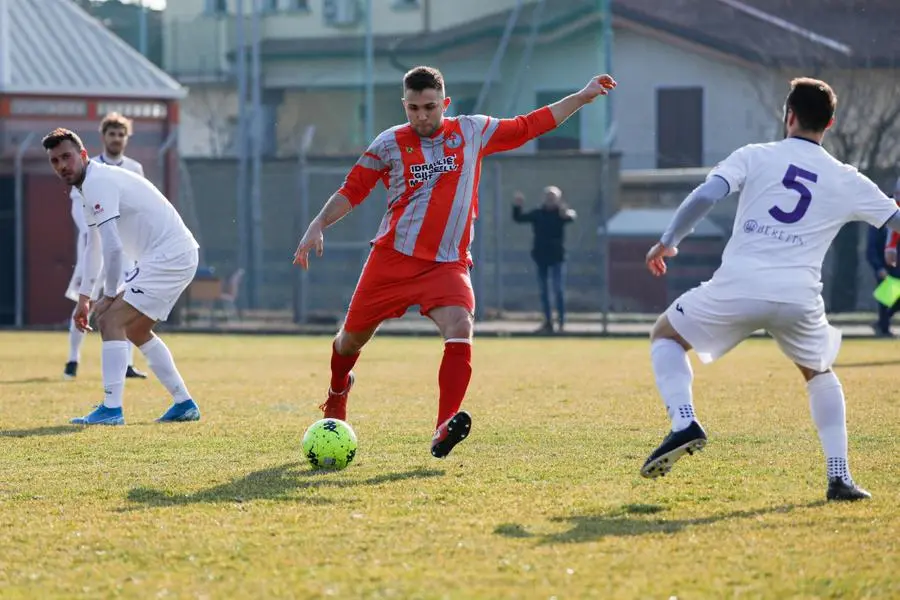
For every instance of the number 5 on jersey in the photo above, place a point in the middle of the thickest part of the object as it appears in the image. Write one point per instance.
(790, 181)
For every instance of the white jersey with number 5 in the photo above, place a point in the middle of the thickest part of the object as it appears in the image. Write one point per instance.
(794, 199)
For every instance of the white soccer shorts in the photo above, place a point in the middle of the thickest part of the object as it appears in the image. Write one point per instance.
(713, 326)
(155, 284)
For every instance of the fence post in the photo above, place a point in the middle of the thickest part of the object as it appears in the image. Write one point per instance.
(498, 237)
(20, 228)
(301, 220)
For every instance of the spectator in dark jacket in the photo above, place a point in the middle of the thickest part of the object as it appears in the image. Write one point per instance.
(875, 257)
(548, 249)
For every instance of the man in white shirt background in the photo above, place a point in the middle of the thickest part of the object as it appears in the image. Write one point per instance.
(127, 215)
(115, 130)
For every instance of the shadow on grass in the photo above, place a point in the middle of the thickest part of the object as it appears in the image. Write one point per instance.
(272, 484)
(623, 522)
(41, 431)
(874, 363)
(32, 380)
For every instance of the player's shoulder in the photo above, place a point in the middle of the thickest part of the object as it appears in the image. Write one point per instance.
(388, 137)
(132, 164)
(760, 148)
(100, 173)
(390, 133)
(475, 120)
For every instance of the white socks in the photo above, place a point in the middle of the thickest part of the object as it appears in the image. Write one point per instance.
(160, 361)
(114, 363)
(674, 377)
(76, 338)
(130, 354)
(826, 403)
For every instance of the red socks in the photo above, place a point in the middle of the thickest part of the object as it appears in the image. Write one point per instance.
(453, 377)
(340, 370)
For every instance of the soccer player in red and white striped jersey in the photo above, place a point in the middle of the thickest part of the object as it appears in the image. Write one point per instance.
(420, 254)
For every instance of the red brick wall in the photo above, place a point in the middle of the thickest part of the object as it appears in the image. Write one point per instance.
(49, 250)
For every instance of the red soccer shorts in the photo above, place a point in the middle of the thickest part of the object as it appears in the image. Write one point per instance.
(391, 282)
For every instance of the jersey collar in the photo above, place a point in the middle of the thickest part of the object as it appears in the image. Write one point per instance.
(105, 161)
(798, 137)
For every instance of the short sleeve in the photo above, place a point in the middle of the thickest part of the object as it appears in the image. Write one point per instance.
(870, 204)
(734, 169)
(101, 201)
(373, 165)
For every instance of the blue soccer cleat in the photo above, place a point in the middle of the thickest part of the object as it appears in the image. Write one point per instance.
(181, 411)
(102, 415)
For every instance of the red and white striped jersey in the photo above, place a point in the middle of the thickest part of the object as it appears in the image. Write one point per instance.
(432, 181)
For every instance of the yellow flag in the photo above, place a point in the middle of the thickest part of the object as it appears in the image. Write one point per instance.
(888, 291)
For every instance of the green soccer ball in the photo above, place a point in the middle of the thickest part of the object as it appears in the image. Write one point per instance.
(329, 444)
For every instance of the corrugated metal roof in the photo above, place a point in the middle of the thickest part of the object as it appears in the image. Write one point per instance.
(53, 47)
(641, 222)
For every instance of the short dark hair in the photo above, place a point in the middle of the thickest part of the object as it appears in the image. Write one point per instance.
(813, 102)
(422, 78)
(60, 135)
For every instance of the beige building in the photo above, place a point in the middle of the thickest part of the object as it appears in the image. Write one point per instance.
(313, 65)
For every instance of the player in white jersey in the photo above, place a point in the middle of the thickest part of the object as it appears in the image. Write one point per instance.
(114, 131)
(794, 199)
(127, 215)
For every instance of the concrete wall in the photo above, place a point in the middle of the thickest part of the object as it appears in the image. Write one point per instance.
(733, 112)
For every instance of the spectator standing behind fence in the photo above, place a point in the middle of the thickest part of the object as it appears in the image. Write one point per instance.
(548, 249)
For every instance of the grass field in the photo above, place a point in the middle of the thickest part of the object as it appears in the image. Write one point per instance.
(543, 500)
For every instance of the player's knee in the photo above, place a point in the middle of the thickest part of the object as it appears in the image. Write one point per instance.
(461, 327)
(110, 325)
(810, 374)
(662, 329)
(347, 342)
(138, 334)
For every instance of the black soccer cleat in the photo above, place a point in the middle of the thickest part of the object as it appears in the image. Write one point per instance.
(450, 433)
(676, 444)
(841, 491)
(71, 370)
(132, 373)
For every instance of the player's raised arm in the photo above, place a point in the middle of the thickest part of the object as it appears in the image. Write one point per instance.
(564, 108)
(501, 135)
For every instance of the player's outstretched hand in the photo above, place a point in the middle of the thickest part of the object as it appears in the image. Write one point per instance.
(890, 257)
(313, 238)
(518, 199)
(600, 85)
(656, 258)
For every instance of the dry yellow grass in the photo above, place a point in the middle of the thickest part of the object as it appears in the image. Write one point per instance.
(543, 500)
